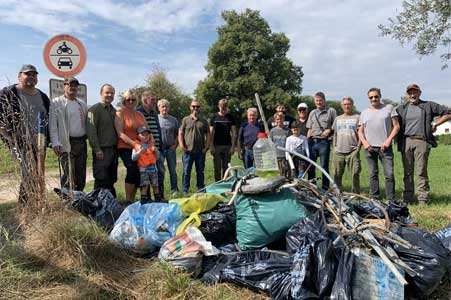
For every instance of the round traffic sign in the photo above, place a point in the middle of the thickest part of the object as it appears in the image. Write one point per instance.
(64, 55)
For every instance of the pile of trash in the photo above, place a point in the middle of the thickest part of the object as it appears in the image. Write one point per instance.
(291, 240)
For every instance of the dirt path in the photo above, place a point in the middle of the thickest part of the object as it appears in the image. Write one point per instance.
(9, 184)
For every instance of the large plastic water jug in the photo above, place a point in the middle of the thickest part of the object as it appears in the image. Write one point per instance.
(265, 157)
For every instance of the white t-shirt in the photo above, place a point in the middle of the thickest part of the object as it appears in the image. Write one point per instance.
(377, 124)
(298, 144)
(76, 118)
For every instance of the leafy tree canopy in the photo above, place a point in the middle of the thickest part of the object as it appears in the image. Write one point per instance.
(246, 59)
(425, 22)
(158, 83)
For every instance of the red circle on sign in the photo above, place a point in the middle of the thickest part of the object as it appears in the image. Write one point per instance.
(47, 55)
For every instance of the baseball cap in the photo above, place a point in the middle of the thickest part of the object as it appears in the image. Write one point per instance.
(413, 86)
(143, 129)
(70, 80)
(302, 105)
(28, 68)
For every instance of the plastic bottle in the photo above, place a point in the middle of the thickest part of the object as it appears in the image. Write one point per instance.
(265, 157)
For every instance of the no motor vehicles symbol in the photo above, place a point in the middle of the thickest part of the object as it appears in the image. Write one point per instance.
(64, 55)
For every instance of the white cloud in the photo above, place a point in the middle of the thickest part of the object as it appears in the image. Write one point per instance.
(52, 17)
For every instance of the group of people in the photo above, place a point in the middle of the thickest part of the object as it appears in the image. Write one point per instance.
(411, 123)
(146, 136)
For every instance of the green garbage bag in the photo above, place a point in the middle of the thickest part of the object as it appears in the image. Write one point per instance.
(265, 218)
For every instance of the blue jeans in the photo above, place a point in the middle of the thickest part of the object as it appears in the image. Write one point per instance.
(386, 159)
(248, 158)
(320, 148)
(198, 158)
(171, 160)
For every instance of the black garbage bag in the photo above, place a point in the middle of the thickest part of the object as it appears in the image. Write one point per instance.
(314, 269)
(219, 225)
(398, 212)
(314, 262)
(306, 228)
(341, 289)
(98, 204)
(259, 270)
(444, 235)
(430, 260)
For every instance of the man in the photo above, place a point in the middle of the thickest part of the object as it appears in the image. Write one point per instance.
(319, 125)
(194, 139)
(280, 107)
(169, 133)
(415, 140)
(347, 145)
(378, 125)
(102, 137)
(20, 107)
(223, 137)
(149, 110)
(67, 124)
(247, 136)
(303, 117)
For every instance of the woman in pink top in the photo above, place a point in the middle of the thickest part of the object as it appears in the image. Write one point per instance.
(127, 121)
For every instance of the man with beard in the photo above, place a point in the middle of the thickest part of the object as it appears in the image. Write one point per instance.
(415, 140)
(20, 107)
(67, 123)
(194, 139)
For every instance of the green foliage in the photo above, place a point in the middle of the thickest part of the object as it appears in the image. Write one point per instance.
(427, 23)
(246, 59)
(158, 83)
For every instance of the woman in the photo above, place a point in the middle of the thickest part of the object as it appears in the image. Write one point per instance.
(127, 121)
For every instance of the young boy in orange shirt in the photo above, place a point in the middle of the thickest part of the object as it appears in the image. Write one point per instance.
(146, 156)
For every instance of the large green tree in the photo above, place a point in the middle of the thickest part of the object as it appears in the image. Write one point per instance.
(246, 59)
(427, 23)
(158, 83)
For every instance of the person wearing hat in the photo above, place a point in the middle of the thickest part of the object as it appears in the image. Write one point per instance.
(303, 117)
(415, 140)
(67, 124)
(145, 154)
(20, 107)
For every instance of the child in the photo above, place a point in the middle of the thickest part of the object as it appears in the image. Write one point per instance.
(146, 156)
(297, 143)
(278, 135)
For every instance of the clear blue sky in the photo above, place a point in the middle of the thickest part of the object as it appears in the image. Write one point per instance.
(336, 42)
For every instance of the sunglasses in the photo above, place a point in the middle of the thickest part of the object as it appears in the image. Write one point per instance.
(302, 109)
(130, 100)
(195, 106)
(373, 97)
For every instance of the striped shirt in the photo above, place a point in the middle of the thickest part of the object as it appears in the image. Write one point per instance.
(153, 124)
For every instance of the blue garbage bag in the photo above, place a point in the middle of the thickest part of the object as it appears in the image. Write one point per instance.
(144, 228)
